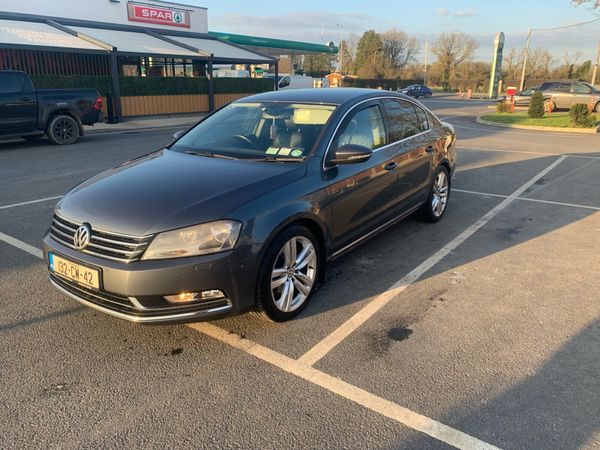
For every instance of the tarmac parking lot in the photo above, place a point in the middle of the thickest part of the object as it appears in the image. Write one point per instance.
(480, 331)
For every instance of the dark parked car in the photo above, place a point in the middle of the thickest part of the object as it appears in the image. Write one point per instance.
(244, 210)
(416, 91)
(59, 113)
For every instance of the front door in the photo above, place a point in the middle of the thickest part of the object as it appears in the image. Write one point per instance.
(363, 195)
(18, 107)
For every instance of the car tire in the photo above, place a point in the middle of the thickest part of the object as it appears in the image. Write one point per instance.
(437, 201)
(63, 130)
(287, 278)
(597, 108)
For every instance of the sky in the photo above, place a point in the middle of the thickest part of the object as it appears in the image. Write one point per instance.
(315, 21)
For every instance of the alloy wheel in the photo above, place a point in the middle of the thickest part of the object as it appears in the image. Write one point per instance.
(440, 194)
(293, 274)
(64, 130)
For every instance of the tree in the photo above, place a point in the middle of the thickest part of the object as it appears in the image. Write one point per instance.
(369, 56)
(451, 50)
(399, 50)
(317, 65)
(536, 106)
(595, 3)
(346, 57)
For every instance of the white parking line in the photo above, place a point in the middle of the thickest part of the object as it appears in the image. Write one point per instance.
(549, 202)
(452, 117)
(499, 150)
(39, 200)
(338, 335)
(348, 391)
(22, 245)
(485, 128)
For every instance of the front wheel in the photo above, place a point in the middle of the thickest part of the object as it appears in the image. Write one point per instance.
(63, 130)
(435, 206)
(288, 275)
(597, 108)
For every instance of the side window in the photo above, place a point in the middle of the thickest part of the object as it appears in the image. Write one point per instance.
(422, 118)
(11, 83)
(403, 119)
(581, 89)
(284, 82)
(564, 87)
(364, 128)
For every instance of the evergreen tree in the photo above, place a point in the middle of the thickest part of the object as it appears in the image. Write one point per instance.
(536, 106)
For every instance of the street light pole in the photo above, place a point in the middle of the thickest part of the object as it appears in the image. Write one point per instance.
(426, 62)
(596, 66)
(340, 47)
(522, 86)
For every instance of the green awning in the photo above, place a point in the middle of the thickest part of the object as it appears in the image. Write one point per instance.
(256, 41)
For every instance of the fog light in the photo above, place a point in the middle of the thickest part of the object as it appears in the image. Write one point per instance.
(187, 297)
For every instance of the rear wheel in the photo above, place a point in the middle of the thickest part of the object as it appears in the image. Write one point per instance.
(288, 275)
(63, 130)
(597, 108)
(435, 206)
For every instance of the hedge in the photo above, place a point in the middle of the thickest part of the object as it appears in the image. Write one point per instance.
(138, 86)
(375, 83)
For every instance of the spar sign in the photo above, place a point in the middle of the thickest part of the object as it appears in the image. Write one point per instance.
(159, 16)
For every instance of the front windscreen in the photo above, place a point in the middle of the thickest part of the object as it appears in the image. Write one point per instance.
(252, 130)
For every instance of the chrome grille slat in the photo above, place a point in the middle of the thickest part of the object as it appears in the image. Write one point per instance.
(103, 244)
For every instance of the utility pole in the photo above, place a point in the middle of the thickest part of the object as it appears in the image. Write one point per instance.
(522, 86)
(596, 65)
(340, 47)
(426, 61)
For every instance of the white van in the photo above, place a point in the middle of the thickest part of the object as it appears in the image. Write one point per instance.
(295, 82)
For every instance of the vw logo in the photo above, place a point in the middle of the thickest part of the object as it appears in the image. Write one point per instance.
(82, 236)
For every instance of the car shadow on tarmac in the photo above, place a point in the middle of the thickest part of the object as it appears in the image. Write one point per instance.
(556, 407)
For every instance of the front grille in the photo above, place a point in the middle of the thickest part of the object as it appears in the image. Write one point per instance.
(104, 244)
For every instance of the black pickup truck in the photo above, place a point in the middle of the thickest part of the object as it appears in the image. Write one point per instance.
(58, 113)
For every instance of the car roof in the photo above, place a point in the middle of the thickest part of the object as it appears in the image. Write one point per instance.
(335, 96)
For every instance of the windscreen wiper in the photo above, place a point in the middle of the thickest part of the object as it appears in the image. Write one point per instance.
(280, 159)
(209, 154)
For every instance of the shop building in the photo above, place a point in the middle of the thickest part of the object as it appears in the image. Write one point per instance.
(124, 42)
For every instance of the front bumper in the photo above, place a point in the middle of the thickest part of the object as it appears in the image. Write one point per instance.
(135, 291)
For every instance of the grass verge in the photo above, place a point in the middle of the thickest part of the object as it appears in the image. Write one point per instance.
(555, 119)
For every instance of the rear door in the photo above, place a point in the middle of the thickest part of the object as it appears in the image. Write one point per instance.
(413, 147)
(563, 97)
(18, 107)
(363, 195)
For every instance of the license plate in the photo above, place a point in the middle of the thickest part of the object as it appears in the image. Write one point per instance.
(76, 272)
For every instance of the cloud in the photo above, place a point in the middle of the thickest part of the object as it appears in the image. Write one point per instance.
(442, 12)
(298, 25)
(469, 12)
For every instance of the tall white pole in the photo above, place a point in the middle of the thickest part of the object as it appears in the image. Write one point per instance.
(522, 86)
(596, 65)
(426, 62)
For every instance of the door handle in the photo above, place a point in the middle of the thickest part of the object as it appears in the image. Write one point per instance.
(25, 99)
(430, 149)
(391, 165)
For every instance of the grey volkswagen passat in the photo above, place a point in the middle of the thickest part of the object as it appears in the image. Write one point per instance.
(243, 211)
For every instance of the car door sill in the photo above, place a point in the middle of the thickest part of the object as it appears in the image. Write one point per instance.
(372, 233)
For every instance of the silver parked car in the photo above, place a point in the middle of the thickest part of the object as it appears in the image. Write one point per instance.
(564, 94)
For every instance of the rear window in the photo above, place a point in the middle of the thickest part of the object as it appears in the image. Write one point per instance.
(11, 83)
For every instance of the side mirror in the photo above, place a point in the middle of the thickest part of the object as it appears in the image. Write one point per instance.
(350, 154)
(178, 134)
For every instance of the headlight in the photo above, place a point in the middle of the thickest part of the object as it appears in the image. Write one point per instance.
(201, 239)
